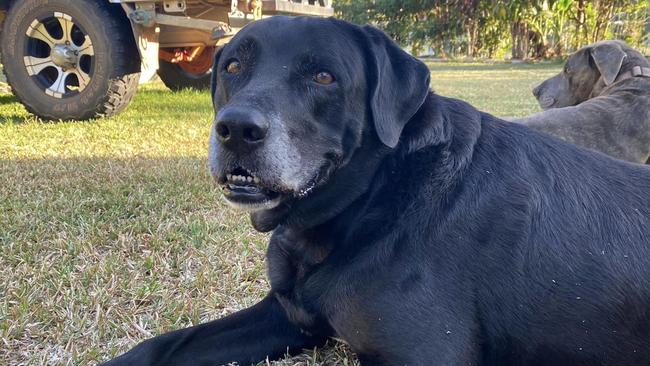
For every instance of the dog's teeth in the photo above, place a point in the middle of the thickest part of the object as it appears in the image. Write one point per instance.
(243, 179)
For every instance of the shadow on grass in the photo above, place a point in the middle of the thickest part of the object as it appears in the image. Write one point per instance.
(12, 115)
(134, 171)
(7, 98)
(127, 194)
(76, 231)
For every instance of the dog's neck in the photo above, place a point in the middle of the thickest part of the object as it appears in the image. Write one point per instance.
(635, 71)
(630, 70)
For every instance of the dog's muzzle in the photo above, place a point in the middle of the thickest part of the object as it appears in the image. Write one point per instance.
(546, 101)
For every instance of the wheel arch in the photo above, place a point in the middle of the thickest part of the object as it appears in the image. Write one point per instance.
(4, 4)
(120, 12)
(145, 42)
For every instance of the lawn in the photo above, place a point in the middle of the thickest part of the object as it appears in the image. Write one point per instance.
(111, 230)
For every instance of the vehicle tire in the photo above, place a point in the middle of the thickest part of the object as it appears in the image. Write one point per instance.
(70, 59)
(184, 75)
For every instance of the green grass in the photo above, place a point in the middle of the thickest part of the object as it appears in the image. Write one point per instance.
(111, 231)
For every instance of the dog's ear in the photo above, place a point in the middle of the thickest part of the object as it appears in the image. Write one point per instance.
(215, 72)
(398, 84)
(608, 57)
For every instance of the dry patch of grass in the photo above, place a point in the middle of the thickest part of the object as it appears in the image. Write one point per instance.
(111, 231)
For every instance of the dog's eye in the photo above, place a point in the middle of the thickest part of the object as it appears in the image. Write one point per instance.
(234, 67)
(566, 69)
(324, 77)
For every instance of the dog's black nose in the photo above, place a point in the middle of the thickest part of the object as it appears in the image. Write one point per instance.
(240, 128)
(537, 90)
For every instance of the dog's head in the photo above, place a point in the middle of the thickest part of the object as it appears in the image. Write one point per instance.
(296, 99)
(586, 73)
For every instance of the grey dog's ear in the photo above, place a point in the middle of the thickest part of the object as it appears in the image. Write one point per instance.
(608, 57)
(398, 84)
(215, 72)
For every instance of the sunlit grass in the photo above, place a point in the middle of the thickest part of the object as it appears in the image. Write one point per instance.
(501, 89)
(111, 231)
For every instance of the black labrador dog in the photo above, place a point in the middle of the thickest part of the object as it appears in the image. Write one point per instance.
(600, 100)
(414, 227)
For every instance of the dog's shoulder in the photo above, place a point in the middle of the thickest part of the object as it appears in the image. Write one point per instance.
(507, 149)
(442, 121)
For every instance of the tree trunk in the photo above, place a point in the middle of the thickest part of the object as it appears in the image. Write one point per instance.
(581, 30)
(519, 33)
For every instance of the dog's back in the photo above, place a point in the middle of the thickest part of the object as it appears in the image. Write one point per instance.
(583, 272)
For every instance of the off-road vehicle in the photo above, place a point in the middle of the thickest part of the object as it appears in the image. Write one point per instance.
(79, 59)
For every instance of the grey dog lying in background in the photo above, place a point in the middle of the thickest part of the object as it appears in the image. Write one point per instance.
(601, 100)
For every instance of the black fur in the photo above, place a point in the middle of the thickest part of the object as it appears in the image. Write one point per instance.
(472, 242)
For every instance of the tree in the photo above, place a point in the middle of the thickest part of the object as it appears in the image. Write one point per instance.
(478, 28)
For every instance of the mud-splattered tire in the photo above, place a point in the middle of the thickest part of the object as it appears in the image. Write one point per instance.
(70, 59)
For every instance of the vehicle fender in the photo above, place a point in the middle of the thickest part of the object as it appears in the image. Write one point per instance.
(146, 40)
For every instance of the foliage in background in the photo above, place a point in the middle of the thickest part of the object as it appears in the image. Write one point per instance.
(495, 28)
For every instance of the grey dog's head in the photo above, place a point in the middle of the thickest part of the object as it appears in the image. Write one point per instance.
(586, 73)
(295, 98)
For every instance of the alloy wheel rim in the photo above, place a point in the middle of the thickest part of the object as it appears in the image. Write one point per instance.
(60, 55)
